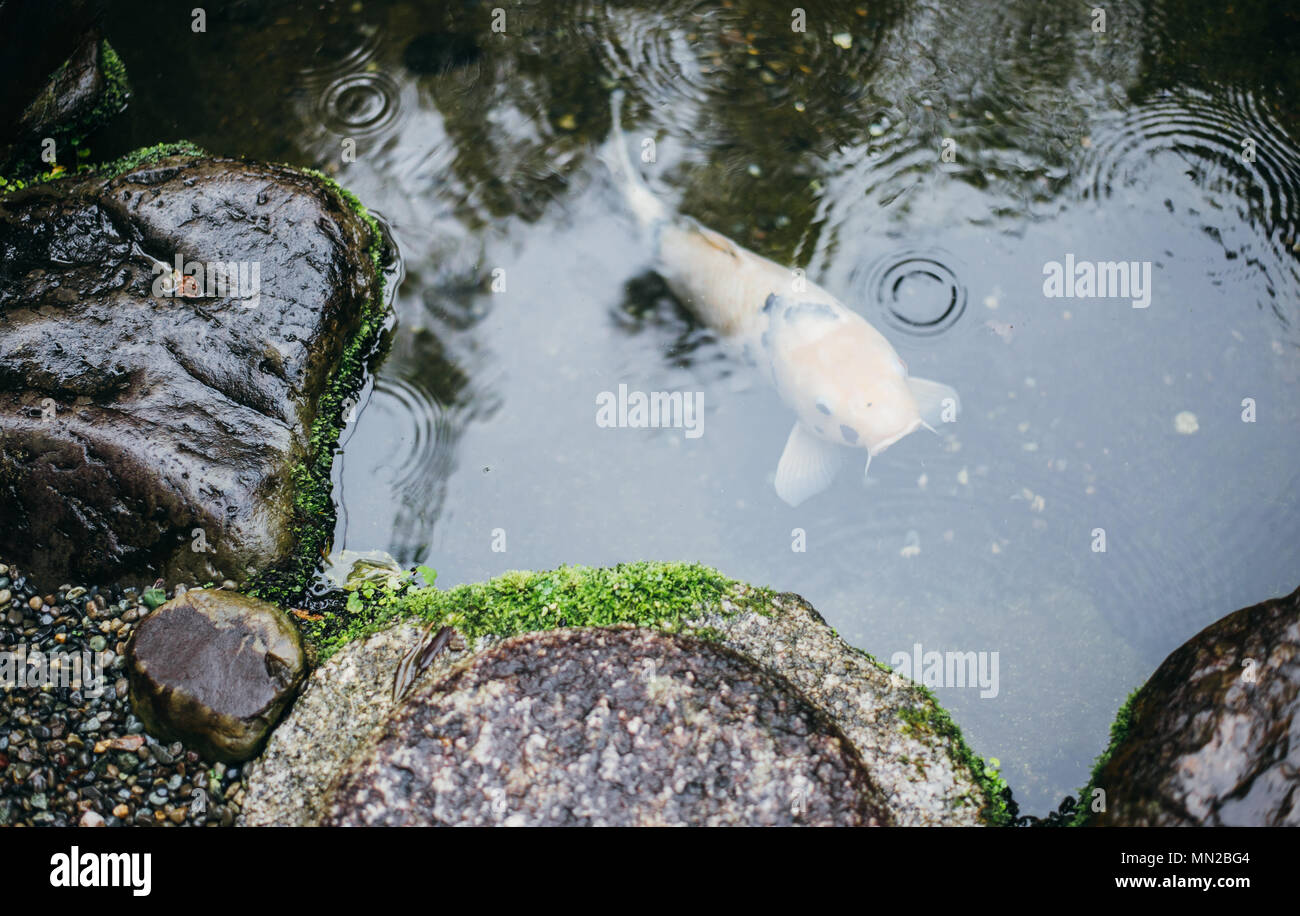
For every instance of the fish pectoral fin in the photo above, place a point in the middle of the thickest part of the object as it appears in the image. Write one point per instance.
(935, 402)
(808, 465)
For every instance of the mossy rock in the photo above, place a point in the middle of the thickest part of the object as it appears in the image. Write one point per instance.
(83, 94)
(131, 418)
(913, 750)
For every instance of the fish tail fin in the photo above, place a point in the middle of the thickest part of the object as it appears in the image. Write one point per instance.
(649, 209)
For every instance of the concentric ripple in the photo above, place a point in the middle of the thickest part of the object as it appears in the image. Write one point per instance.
(1226, 141)
(917, 293)
(686, 56)
(359, 104)
(415, 433)
(339, 52)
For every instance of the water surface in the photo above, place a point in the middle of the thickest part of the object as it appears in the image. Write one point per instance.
(821, 150)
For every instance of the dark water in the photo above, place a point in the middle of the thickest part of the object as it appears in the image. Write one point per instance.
(822, 150)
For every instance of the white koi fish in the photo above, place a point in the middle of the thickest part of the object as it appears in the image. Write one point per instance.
(841, 377)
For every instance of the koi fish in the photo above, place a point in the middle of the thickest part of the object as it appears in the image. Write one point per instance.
(838, 374)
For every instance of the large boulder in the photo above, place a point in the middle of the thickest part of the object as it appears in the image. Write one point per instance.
(607, 727)
(153, 425)
(923, 770)
(1213, 738)
(214, 669)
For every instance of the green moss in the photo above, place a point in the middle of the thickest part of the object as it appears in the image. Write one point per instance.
(664, 595)
(1119, 730)
(313, 505)
(116, 88)
(111, 169)
(997, 807)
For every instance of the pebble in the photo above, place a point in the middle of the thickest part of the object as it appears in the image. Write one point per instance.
(71, 759)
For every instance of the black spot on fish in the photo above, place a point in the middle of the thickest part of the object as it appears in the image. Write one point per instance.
(772, 300)
(849, 433)
(823, 408)
(818, 310)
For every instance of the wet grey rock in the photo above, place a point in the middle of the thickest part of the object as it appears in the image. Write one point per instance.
(147, 435)
(896, 726)
(215, 670)
(918, 770)
(1214, 736)
(607, 727)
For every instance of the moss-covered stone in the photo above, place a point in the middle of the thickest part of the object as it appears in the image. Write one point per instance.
(82, 95)
(298, 392)
(913, 749)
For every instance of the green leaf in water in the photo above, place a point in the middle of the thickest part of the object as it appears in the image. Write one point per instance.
(427, 573)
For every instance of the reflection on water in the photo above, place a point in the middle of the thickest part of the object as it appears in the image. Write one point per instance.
(526, 294)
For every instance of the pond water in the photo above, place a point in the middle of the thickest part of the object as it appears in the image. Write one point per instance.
(1164, 139)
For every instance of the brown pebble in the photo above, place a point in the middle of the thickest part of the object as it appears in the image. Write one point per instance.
(127, 743)
(121, 811)
(34, 603)
(176, 815)
(51, 600)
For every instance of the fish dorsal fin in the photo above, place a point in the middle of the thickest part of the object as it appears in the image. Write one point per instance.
(934, 400)
(808, 465)
(718, 241)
